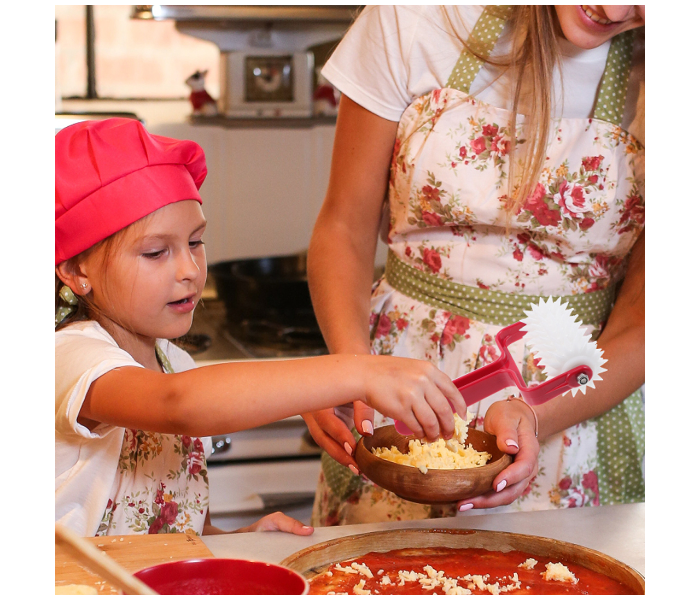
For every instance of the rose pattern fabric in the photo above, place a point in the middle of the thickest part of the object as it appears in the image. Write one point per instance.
(437, 223)
(145, 501)
(448, 198)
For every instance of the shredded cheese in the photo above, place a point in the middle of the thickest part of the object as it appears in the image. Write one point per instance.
(359, 589)
(528, 564)
(440, 454)
(362, 569)
(558, 572)
(346, 569)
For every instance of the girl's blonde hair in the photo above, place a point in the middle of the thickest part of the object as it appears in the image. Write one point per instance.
(86, 309)
(533, 57)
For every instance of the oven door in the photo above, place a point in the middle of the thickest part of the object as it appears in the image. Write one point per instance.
(242, 492)
(259, 471)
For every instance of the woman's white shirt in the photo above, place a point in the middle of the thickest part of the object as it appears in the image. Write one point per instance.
(392, 55)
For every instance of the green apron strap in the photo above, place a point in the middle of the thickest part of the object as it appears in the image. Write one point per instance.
(610, 103)
(341, 480)
(482, 38)
(487, 306)
(621, 451)
(164, 362)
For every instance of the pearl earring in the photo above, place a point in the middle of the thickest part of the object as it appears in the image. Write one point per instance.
(83, 285)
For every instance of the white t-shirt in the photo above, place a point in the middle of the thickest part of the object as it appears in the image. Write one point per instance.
(394, 54)
(86, 461)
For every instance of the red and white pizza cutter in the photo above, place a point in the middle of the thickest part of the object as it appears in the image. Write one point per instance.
(570, 359)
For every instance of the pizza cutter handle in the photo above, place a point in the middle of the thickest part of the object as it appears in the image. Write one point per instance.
(489, 379)
(504, 372)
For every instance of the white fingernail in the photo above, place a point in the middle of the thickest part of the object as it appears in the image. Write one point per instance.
(368, 427)
(353, 468)
(501, 485)
(465, 507)
(348, 448)
(512, 443)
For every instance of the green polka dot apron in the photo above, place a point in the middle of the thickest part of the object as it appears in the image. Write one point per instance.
(460, 268)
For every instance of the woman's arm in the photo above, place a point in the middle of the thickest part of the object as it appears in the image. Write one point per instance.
(276, 521)
(344, 241)
(341, 255)
(622, 342)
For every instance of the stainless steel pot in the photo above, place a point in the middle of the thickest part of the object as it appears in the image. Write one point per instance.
(268, 298)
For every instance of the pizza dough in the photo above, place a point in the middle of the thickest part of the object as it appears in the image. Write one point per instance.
(74, 589)
(459, 571)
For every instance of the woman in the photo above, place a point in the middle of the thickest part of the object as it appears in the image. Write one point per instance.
(500, 206)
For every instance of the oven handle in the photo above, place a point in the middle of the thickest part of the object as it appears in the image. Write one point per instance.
(273, 501)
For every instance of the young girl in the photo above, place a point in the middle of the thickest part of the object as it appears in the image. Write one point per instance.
(131, 411)
(499, 152)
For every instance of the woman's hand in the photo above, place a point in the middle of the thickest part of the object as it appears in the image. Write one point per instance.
(332, 434)
(513, 424)
(278, 522)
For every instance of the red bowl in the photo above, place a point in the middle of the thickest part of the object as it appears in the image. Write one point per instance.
(213, 576)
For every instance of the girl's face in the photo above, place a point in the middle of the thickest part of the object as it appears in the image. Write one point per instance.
(590, 25)
(154, 279)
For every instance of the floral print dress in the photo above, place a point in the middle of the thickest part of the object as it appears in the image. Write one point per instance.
(161, 484)
(449, 223)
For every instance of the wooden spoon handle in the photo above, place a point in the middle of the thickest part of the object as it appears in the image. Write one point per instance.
(101, 564)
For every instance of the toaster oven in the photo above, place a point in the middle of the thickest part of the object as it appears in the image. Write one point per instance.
(266, 83)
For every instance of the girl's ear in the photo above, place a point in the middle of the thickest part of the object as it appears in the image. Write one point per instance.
(72, 275)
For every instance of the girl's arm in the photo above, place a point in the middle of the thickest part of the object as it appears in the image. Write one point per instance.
(276, 521)
(229, 397)
(341, 254)
(622, 342)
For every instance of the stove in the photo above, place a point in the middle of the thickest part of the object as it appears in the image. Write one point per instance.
(213, 338)
(273, 467)
(261, 338)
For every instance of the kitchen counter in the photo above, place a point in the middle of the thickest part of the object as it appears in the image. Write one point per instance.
(617, 531)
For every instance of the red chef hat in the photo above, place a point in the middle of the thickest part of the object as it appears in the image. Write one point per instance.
(111, 173)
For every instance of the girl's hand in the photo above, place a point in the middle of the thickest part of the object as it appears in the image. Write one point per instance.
(513, 424)
(278, 522)
(414, 392)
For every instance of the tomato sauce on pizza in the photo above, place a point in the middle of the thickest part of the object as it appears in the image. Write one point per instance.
(427, 571)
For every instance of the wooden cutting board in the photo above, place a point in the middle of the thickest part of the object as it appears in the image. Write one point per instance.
(133, 552)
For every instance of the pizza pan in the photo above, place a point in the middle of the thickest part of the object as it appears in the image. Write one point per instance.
(316, 559)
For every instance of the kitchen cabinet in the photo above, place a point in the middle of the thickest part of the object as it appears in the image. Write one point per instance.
(265, 185)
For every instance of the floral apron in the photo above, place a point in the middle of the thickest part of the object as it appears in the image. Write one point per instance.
(459, 270)
(161, 485)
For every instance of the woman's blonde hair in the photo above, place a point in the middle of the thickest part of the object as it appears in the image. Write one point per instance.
(534, 56)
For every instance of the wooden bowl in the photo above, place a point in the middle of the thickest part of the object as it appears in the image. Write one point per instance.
(437, 486)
